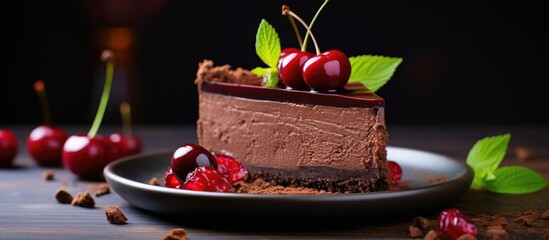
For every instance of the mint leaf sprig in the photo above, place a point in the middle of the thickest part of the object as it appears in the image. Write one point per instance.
(484, 158)
(372, 71)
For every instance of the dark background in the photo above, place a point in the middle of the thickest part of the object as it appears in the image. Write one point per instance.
(466, 62)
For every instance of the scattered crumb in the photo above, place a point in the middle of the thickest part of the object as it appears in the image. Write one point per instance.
(261, 187)
(523, 154)
(115, 216)
(545, 215)
(440, 179)
(66, 182)
(48, 175)
(545, 233)
(528, 218)
(154, 181)
(467, 236)
(420, 222)
(415, 232)
(83, 199)
(496, 233)
(102, 189)
(431, 235)
(176, 234)
(63, 196)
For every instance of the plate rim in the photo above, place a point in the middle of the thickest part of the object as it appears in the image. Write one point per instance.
(111, 176)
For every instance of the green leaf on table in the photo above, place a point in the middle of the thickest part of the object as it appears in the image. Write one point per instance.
(516, 180)
(267, 44)
(485, 156)
(373, 71)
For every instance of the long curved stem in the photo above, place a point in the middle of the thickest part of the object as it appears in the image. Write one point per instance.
(306, 27)
(106, 56)
(304, 46)
(294, 26)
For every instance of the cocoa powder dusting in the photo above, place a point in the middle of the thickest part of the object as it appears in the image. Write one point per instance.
(261, 187)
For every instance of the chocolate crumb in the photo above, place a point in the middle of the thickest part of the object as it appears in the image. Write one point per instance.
(115, 216)
(467, 236)
(48, 175)
(415, 232)
(496, 233)
(523, 154)
(63, 196)
(420, 222)
(102, 189)
(431, 235)
(545, 215)
(259, 186)
(176, 234)
(154, 181)
(545, 233)
(83, 199)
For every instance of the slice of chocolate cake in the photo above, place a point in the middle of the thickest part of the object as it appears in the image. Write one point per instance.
(327, 141)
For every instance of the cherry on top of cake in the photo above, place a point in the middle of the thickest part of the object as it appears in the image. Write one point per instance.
(326, 72)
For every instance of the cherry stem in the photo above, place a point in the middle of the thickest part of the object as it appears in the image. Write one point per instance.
(288, 11)
(294, 26)
(304, 47)
(125, 111)
(106, 56)
(40, 89)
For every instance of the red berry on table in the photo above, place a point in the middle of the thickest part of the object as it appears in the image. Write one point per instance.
(45, 144)
(206, 179)
(396, 171)
(290, 67)
(85, 157)
(190, 156)
(230, 168)
(329, 71)
(9, 146)
(452, 223)
(128, 144)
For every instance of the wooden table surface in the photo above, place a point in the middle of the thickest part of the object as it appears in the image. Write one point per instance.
(28, 209)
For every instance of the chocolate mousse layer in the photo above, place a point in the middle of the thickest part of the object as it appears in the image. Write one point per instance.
(282, 136)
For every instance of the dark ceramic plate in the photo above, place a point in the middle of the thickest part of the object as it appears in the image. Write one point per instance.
(129, 178)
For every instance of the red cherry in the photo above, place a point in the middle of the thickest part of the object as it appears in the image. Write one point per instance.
(190, 156)
(113, 149)
(290, 67)
(206, 179)
(85, 157)
(329, 71)
(9, 146)
(45, 143)
(396, 171)
(171, 180)
(452, 223)
(128, 144)
(230, 168)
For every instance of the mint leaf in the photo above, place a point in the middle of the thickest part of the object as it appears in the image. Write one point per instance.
(516, 180)
(267, 44)
(269, 74)
(373, 71)
(485, 157)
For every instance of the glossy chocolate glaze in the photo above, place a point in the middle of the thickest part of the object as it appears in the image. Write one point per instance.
(354, 95)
